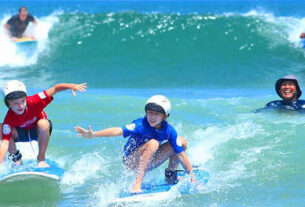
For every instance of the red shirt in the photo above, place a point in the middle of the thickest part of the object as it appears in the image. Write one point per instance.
(27, 120)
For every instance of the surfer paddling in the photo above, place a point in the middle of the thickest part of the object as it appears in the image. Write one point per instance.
(17, 24)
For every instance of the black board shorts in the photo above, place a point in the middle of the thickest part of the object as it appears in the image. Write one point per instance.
(27, 135)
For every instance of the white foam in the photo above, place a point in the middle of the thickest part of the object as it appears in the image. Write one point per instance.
(277, 29)
(282, 27)
(83, 169)
(29, 150)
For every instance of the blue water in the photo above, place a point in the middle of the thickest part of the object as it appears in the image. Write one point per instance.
(217, 61)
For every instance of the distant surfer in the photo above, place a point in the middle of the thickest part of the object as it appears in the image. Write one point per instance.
(288, 88)
(302, 35)
(26, 120)
(18, 23)
(145, 149)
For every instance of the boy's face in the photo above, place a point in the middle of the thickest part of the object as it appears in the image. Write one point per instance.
(154, 118)
(17, 105)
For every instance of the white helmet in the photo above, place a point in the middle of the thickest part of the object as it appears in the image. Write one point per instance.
(158, 103)
(12, 90)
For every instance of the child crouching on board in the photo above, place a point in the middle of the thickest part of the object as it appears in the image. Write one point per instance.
(145, 149)
(26, 120)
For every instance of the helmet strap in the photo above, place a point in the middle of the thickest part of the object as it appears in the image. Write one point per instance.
(158, 125)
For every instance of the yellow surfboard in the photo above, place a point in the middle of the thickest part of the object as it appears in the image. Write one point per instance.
(24, 40)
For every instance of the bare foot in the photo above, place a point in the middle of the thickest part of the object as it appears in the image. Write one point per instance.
(136, 190)
(43, 164)
(19, 162)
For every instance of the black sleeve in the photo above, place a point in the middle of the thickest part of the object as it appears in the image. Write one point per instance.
(260, 110)
(271, 104)
(267, 107)
(30, 18)
(11, 20)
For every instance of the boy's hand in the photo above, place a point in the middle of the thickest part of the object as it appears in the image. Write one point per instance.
(193, 179)
(83, 132)
(79, 87)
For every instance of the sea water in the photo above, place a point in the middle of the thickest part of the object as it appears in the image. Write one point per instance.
(217, 61)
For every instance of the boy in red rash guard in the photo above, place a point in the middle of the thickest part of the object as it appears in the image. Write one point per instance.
(26, 119)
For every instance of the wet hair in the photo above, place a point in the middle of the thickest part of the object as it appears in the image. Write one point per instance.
(21, 8)
(154, 107)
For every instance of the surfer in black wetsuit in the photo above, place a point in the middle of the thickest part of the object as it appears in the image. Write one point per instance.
(288, 89)
(18, 23)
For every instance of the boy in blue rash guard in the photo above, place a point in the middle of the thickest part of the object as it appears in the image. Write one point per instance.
(144, 149)
(289, 90)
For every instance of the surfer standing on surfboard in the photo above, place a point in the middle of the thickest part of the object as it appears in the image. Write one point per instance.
(18, 23)
(26, 120)
(144, 149)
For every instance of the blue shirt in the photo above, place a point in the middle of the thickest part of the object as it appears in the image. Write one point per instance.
(280, 105)
(140, 132)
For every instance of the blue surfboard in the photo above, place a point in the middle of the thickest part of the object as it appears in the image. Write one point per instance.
(26, 46)
(25, 183)
(29, 170)
(159, 190)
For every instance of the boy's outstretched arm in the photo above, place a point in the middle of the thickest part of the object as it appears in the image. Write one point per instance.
(110, 132)
(64, 86)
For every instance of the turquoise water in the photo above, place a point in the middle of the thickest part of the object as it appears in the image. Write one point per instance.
(216, 61)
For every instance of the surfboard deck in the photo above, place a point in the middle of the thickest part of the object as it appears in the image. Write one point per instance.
(159, 190)
(24, 40)
(29, 170)
(27, 182)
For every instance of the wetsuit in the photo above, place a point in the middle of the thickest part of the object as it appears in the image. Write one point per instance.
(140, 132)
(280, 105)
(17, 27)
